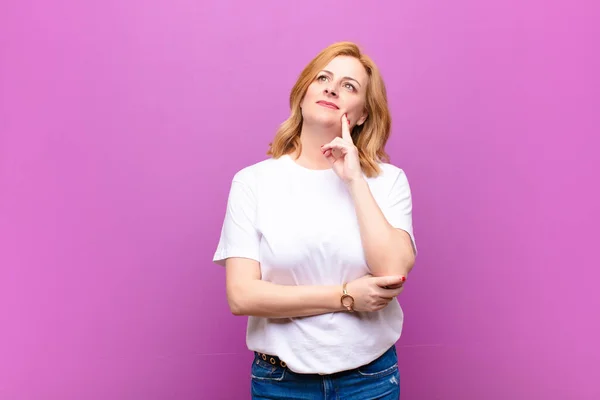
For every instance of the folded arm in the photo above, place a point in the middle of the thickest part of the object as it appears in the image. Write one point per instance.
(247, 294)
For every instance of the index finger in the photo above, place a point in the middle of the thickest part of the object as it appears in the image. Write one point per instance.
(346, 129)
(393, 292)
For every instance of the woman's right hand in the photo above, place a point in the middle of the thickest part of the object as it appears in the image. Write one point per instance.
(374, 293)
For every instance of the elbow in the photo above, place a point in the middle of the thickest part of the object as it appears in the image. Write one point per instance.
(408, 261)
(394, 268)
(234, 305)
(405, 264)
(393, 265)
(409, 265)
(237, 302)
(237, 312)
(236, 309)
(400, 255)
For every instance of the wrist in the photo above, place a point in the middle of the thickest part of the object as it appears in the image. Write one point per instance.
(346, 299)
(356, 185)
(337, 298)
(331, 299)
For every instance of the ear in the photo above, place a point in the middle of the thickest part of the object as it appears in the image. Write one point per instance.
(363, 118)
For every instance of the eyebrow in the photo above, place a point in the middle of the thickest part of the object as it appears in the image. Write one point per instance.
(346, 77)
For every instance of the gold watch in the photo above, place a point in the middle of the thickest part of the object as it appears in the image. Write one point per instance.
(347, 300)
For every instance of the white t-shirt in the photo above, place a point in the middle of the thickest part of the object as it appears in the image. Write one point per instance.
(301, 226)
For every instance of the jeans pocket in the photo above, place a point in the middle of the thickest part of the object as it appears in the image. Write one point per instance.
(263, 371)
(386, 364)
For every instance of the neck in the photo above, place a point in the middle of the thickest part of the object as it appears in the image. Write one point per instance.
(312, 138)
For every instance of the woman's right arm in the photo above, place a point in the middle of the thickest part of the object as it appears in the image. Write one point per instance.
(248, 295)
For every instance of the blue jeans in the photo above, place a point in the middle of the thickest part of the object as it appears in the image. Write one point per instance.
(378, 380)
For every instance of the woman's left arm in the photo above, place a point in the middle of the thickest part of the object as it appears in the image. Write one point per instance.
(388, 250)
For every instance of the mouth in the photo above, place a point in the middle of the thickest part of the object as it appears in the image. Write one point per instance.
(328, 105)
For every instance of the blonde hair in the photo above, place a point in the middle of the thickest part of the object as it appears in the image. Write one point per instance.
(370, 137)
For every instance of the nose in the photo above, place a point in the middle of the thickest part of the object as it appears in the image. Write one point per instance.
(331, 92)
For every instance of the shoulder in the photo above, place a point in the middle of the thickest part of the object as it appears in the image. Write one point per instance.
(390, 173)
(391, 179)
(251, 174)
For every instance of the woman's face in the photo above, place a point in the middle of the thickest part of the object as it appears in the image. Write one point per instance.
(339, 88)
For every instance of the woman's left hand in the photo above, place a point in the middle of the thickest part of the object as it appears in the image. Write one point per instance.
(343, 154)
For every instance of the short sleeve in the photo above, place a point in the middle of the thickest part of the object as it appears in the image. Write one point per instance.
(398, 207)
(239, 236)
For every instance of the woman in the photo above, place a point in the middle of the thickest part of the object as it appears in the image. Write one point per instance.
(317, 241)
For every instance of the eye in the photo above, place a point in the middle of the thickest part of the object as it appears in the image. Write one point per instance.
(322, 78)
(349, 86)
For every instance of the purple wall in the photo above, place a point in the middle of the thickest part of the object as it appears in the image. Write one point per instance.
(122, 123)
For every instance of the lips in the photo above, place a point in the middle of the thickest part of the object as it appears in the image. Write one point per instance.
(328, 105)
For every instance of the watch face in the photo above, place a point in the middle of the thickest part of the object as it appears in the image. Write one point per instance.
(347, 300)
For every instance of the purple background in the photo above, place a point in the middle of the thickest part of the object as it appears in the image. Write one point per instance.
(122, 123)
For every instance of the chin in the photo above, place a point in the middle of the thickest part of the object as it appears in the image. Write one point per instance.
(327, 119)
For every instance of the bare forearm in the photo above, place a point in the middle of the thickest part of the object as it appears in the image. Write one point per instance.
(265, 299)
(388, 250)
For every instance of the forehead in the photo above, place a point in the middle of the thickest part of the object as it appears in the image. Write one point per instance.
(348, 66)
